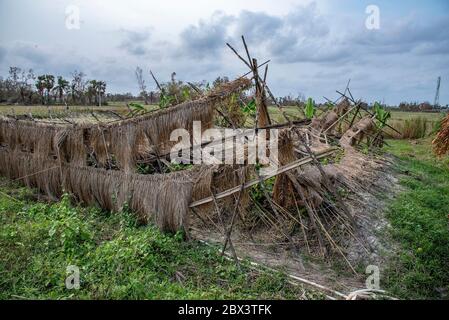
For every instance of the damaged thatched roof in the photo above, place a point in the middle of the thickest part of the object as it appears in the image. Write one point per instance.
(53, 158)
(124, 141)
(159, 198)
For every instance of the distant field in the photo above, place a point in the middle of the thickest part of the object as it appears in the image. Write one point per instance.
(43, 111)
(399, 120)
(430, 116)
(406, 121)
(121, 107)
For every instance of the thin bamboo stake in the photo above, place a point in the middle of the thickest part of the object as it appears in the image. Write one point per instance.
(251, 183)
(309, 211)
(229, 231)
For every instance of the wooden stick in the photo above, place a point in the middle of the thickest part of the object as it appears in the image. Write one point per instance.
(328, 183)
(155, 80)
(310, 211)
(194, 87)
(239, 56)
(260, 65)
(339, 119)
(263, 117)
(243, 132)
(251, 183)
(302, 224)
(229, 231)
(231, 246)
(247, 53)
(369, 112)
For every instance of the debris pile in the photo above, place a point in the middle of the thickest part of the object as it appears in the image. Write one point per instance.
(300, 207)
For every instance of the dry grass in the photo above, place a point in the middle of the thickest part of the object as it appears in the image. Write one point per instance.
(441, 142)
(414, 128)
(41, 111)
(413, 125)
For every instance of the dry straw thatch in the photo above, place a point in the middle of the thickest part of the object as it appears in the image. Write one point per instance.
(53, 158)
(357, 133)
(441, 141)
(329, 119)
(161, 198)
(123, 141)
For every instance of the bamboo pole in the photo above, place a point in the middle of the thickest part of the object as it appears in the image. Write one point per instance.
(251, 183)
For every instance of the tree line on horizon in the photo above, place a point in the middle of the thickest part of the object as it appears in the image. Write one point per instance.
(23, 86)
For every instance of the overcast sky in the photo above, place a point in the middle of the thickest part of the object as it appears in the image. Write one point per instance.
(314, 46)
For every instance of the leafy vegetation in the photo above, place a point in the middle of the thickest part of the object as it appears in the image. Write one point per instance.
(165, 100)
(117, 259)
(382, 115)
(136, 108)
(250, 108)
(420, 223)
(310, 109)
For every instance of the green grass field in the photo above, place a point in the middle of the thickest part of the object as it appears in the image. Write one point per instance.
(419, 218)
(46, 111)
(117, 259)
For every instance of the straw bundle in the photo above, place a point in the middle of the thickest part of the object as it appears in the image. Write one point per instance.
(283, 188)
(441, 141)
(123, 141)
(216, 179)
(32, 171)
(28, 136)
(355, 135)
(161, 198)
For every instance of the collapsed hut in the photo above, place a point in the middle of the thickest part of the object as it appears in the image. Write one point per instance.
(299, 206)
(97, 163)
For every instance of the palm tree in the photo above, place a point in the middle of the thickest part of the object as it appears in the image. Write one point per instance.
(101, 89)
(40, 86)
(61, 88)
(46, 81)
(96, 89)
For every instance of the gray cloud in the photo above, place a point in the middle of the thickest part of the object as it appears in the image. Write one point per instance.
(303, 35)
(135, 42)
(31, 52)
(435, 48)
(205, 39)
(298, 36)
(2, 53)
(424, 37)
(257, 26)
(311, 52)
